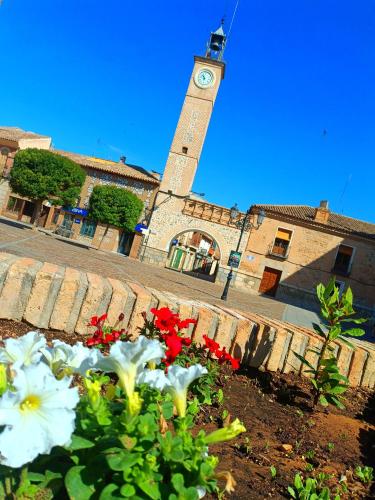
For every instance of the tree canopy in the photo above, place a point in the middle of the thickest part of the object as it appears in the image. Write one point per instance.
(41, 175)
(115, 206)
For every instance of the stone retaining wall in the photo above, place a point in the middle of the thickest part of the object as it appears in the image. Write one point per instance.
(50, 296)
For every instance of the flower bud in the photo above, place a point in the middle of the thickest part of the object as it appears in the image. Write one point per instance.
(3, 379)
(227, 433)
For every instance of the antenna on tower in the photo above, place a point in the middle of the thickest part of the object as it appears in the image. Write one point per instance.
(232, 20)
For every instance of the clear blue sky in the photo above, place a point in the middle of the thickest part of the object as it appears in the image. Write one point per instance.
(109, 78)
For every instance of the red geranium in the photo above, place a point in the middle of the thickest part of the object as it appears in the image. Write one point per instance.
(181, 325)
(221, 354)
(97, 320)
(165, 319)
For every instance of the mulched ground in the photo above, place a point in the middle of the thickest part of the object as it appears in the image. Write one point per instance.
(276, 410)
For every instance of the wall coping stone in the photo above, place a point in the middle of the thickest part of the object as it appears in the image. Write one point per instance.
(49, 296)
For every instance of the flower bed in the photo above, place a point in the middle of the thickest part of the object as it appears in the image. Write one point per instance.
(276, 411)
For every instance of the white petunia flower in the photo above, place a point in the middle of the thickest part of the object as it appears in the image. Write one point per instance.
(128, 359)
(154, 378)
(180, 378)
(23, 351)
(62, 356)
(37, 416)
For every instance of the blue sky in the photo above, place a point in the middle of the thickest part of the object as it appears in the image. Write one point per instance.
(109, 78)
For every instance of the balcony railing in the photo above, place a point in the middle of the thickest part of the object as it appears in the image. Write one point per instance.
(278, 251)
(210, 212)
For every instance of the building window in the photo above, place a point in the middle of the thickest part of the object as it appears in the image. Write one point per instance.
(88, 228)
(344, 260)
(280, 246)
(184, 150)
(5, 151)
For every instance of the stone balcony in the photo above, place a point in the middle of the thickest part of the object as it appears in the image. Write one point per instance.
(212, 213)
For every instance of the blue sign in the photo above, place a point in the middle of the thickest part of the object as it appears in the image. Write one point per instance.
(138, 228)
(77, 221)
(77, 211)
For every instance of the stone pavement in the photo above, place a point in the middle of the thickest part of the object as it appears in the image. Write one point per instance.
(25, 242)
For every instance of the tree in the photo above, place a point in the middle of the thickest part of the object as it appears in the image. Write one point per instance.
(42, 175)
(115, 206)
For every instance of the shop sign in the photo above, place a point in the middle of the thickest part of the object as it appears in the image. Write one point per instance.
(234, 259)
(77, 211)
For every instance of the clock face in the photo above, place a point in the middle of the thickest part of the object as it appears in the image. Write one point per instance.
(204, 78)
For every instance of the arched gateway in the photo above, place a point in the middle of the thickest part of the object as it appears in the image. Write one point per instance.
(176, 210)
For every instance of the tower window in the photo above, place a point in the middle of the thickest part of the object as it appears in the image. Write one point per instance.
(184, 150)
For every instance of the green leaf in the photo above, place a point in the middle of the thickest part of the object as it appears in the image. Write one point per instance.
(167, 409)
(76, 485)
(111, 492)
(320, 289)
(339, 389)
(304, 361)
(291, 492)
(298, 482)
(178, 482)
(80, 443)
(128, 490)
(150, 488)
(323, 401)
(354, 332)
(356, 321)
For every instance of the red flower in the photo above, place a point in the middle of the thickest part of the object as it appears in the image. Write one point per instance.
(211, 345)
(166, 320)
(181, 325)
(97, 320)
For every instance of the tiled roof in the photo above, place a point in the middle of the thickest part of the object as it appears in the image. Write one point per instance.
(336, 222)
(16, 134)
(118, 168)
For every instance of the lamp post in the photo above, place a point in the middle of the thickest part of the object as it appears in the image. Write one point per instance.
(243, 224)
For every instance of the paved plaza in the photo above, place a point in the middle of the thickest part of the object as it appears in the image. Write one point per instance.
(26, 242)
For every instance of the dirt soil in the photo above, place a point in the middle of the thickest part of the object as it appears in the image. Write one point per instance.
(277, 410)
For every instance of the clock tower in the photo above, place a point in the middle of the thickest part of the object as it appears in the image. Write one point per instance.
(195, 117)
(168, 217)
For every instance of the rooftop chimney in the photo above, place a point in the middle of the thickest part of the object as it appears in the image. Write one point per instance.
(123, 159)
(322, 212)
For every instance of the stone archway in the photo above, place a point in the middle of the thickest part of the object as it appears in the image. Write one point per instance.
(196, 253)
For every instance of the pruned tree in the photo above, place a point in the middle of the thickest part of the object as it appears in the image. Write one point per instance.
(42, 175)
(115, 206)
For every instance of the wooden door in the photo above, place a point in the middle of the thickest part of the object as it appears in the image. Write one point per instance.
(270, 281)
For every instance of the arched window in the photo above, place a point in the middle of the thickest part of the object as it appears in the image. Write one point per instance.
(5, 151)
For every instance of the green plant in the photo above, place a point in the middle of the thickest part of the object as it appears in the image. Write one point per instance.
(43, 175)
(309, 467)
(330, 447)
(365, 474)
(310, 489)
(273, 472)
(115, 206)
(245, 448)
(328, 383)
(127, 433)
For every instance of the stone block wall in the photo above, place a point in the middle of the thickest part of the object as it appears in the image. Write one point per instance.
(50, 296)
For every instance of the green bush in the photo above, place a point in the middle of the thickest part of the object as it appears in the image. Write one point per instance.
(42, 175)
(115, 206)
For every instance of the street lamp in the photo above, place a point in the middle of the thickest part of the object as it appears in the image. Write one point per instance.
(243, 224)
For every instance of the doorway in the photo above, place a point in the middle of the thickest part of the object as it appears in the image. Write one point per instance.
(270, 281)
(125, 243)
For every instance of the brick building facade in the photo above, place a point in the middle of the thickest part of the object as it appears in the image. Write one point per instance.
(74, 222)
(298, 247)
